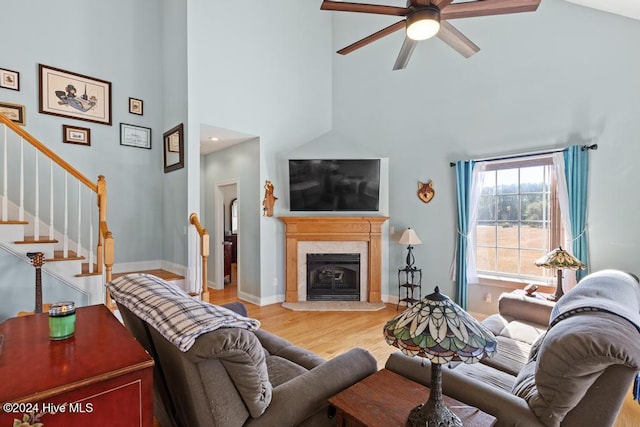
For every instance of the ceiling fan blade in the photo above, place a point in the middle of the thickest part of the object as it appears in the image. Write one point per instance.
(488, 7)
(342, 6)
(405, 53)
(458, 41)
(373, 37)
(441, 4)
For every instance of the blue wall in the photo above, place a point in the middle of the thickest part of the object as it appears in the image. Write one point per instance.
(264, 69)
(175, 213)
(562, 75)
(117, 41)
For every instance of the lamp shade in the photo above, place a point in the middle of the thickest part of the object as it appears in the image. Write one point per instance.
(423, 23)
(409, 237)
(440, 330)
(559, 258)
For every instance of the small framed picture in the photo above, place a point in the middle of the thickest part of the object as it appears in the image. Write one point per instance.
(135, 136)
(15, 112)
(76, 135)
(135, 106)
(9, 79)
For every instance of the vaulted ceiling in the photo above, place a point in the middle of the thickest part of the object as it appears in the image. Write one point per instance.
(630, 8)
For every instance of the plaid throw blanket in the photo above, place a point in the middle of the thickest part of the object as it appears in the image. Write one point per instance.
(172, 312)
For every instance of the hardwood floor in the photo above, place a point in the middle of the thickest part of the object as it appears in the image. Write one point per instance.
(331, 333)
(325, 333)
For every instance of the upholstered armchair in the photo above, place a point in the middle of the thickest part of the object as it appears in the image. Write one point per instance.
(234, 376)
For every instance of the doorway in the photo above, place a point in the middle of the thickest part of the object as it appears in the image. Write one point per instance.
(227, 227)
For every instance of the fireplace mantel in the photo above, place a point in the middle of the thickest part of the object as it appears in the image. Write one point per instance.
(334, 228)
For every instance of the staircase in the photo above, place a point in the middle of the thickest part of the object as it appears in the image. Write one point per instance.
(71, 230)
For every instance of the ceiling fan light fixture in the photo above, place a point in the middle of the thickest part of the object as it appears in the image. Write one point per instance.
(423, 23)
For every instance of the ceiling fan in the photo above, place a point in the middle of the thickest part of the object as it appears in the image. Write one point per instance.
(428, 18)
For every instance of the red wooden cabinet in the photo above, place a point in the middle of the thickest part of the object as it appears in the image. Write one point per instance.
(99, 377)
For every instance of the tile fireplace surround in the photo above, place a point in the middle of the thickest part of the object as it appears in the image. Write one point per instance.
(336, 229)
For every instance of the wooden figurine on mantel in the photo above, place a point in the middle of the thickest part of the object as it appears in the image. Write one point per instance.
(269, 199)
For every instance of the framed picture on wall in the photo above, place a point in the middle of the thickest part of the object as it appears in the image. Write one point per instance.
(76, 135)
(135, 136)
(15, 112)
(72, 95)
(9, 79)
(135, 106)
(174, 148)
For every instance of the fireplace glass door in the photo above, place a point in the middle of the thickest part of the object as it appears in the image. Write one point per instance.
(333, 277)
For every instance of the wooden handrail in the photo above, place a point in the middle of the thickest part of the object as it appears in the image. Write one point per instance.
(47, 152)
(105, 247)
(193, 219)
(204, 252)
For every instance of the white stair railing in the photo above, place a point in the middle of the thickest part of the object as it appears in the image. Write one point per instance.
(36, 203)
(21, 208)
(65, 237)
(5, 206)
(51, 199)
(21, 175)
(79, 226)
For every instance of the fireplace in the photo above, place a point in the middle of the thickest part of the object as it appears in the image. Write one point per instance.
(333, 277)
(335, 231)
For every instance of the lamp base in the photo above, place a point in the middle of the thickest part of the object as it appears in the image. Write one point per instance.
(433, 414)
(559, 291)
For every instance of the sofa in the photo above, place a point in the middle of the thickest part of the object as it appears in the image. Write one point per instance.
(233, 373)
(569, 363)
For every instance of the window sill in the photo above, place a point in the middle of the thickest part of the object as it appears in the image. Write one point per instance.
(511, 283)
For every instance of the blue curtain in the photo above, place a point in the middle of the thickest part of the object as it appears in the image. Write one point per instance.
(576, 170)
(464, 180)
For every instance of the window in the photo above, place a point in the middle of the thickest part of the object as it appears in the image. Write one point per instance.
(518, 219)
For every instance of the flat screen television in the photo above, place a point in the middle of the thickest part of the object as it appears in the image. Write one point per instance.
(334, 185)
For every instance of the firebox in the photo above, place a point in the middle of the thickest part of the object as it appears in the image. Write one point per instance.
(333, 277)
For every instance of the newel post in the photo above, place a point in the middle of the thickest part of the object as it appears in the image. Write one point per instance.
(105, 241)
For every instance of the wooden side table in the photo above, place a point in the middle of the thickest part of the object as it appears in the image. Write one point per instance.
(101, 376)
(385, 399)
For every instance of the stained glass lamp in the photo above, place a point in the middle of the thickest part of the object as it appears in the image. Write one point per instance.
(559, 259)
(440, 330)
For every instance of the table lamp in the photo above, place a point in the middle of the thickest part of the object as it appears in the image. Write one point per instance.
(410, 238)
(440, 330)
(559, 259)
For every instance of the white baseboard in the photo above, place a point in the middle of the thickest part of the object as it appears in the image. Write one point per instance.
(249, 298)
(260, 301)
(174, 268)
(213, 286)
(391, 299)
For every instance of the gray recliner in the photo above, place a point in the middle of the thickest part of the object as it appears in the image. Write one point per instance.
(219, 380)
